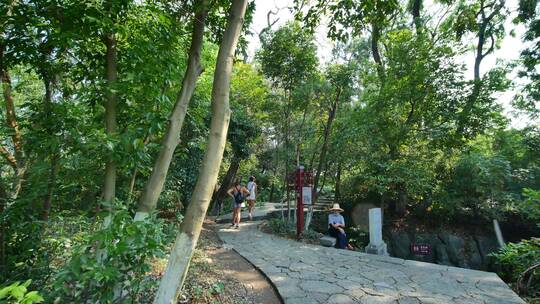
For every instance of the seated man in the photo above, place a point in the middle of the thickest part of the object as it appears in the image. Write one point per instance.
(336, 225)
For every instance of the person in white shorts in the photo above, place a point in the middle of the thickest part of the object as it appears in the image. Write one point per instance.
(252, 188)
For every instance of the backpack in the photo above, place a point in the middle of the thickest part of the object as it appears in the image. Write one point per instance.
(238, 197)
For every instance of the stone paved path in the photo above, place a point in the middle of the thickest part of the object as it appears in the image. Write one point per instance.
(313, 274)
(258, 212)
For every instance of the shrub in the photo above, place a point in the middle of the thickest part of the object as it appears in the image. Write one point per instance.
(17, 293)
(515, 258)
(281, 227)
(113, 262)
(358, 237)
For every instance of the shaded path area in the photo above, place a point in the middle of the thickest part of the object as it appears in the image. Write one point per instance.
(219, 275)
(306, 273)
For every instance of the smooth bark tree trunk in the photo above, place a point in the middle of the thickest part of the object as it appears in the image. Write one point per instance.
(226, 184)
(187, 237)
(171, 139)
(483, 35)
(301, 136)
(53, 155)
(51, 183)
(314, 155)
(415, 11)
(3, 203)
(337, 187)
(287, 131)
(375, 37)
(326, 138)
(109, 187)
(322, 156)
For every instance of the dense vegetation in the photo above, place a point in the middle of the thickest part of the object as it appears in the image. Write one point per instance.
(95, 130)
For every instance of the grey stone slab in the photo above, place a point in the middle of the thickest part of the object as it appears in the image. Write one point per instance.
(384, 299)
(314, 274)
(408, 300)
(320, 286)
(327, 241)
(302, 300)
(340, 299)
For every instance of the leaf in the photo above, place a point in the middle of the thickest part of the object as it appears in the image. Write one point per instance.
(33, 297)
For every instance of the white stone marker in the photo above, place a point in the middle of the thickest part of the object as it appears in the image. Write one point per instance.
(376, 243)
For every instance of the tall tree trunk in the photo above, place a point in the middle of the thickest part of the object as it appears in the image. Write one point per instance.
(171, 139)
(416, 7)
(226, 184)
(51, 183)
(287, 131)
(53, 155)
(375, 37)
(337, 187)
(271, 195)
(483, 35)
(11, 122)
(322, 157)
(11, 118)
(187, 237)
(109, 187)
(300, 136)
(3, 203)
(133, 178)
(326, 138)
(132, 181)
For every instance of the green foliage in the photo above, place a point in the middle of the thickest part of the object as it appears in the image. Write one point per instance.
(115, 258)
(281, 227)
(288, 55)
(530, 207)
(288, 229)
(478, 187)
(358, 238)
(529, 97)
(17, 293)
(515, 258)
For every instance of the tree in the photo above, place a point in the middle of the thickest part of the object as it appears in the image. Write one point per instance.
(530, 57)
(248, 94)
(288, 59)
(187, 237)
(171, 139)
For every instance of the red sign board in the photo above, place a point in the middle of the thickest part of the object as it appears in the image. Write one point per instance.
(421, 249)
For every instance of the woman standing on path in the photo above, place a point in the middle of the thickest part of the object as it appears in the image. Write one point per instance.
(252, 188)
(238, 193)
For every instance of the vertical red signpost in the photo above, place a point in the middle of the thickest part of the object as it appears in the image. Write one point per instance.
(299, 201)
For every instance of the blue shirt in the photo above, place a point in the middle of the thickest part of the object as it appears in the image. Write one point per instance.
(336, 218)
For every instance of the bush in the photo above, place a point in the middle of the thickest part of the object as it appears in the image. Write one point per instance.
(112, 260)
(515, 258)
(288, 229)
(358, 237)
(17, 293)
(281, 227)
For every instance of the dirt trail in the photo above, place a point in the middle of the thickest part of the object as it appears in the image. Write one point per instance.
(217, 268)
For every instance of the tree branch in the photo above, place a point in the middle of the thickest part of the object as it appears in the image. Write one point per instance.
(9, 157)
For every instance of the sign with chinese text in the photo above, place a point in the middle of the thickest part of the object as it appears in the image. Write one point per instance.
(421, 249)
(306, 195)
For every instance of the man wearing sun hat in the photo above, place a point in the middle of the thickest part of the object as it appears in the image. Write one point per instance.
(336, 227)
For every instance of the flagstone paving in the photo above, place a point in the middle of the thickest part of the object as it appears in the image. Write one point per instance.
(306, 274)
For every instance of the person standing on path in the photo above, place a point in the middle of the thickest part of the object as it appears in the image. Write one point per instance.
(252, 188)
(336, 226)
(238, 194)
